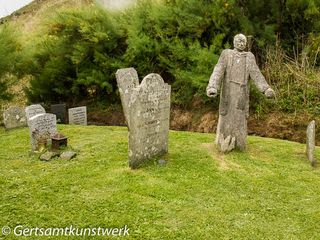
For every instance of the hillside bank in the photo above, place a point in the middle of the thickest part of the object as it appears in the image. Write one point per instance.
(274, 125)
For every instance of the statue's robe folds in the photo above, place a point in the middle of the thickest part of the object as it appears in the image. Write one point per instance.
(230, 76)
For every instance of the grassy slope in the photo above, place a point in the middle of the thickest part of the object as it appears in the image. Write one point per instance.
(268, 192)
(32, 16)
(29, 22)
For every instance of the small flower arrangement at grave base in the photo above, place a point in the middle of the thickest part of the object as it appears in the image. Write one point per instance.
(42, 143)
(40, 140)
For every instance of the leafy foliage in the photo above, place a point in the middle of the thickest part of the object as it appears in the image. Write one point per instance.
(10, 50)
(175, 40)
(181, 40)
(295, 81)
(77, 57)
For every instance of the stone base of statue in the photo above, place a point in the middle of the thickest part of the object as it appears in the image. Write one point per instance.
(231, 133)
(232, 123)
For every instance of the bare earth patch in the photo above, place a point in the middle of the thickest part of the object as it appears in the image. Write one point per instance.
(218, 157)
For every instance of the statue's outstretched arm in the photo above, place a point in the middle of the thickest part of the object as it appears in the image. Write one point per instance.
(217, 75)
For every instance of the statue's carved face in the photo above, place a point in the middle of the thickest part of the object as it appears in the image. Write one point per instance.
(240, 42)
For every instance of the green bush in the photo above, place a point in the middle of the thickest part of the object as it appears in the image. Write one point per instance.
(180, 40)
(10, 52)
(77, 57)
(80, 51)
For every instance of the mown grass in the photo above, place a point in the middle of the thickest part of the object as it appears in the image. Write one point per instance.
(268, 192)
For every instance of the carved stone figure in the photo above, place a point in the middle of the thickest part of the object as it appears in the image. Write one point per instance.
(230, 76)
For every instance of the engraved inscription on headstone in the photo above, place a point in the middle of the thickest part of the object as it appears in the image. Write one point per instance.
(311, 135)
(60, 111)
(127, 80)
(14, 117)
(33, 110)
(148, 113)
(42, 127)
(78, 115)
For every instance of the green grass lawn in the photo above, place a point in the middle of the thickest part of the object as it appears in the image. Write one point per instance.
(268, 192)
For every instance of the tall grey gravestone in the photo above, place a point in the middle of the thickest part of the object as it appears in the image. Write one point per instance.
(14, 117)
(147, 110)
(78, 115)
(311, 136)
(34, 110)
(42, 127)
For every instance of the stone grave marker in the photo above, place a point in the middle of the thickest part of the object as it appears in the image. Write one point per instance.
(60, 111)
(78, 115)
(42, 127)
(311, 136)
(33, 110)
(148, 114)
(14, 117)
(127, 79)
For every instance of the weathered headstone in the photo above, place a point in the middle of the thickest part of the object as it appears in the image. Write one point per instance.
(34, 110)
(60, 111)
(42, 127)
(127, 79)
(78, 115)
(14, 117)
(311, 136)
(147, 109)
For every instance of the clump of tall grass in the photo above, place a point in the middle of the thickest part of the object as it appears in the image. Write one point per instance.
(296, 79)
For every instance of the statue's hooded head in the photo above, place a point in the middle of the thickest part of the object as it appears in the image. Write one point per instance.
(240, 42)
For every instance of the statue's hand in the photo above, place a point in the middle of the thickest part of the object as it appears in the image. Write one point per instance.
(212, 92)
(269, 93)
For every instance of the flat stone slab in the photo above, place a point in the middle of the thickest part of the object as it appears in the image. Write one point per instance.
(47, 156)
(68, 155)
